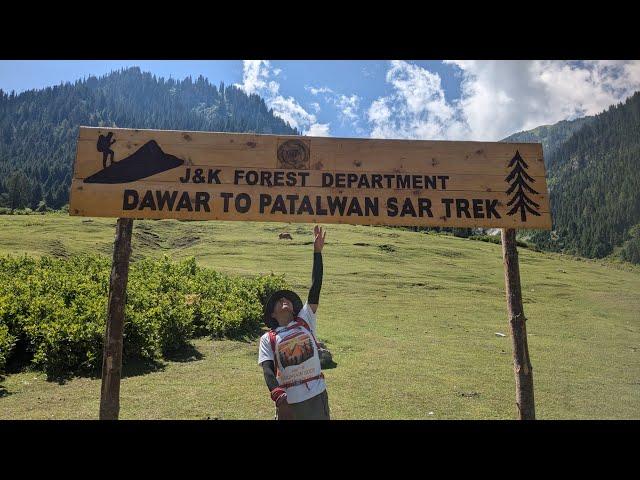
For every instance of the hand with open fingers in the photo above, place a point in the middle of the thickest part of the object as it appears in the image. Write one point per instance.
(319, 236)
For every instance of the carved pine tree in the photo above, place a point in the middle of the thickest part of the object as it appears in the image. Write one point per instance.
(519, 187)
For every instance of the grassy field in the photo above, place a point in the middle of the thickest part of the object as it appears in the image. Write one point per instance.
(410, 319)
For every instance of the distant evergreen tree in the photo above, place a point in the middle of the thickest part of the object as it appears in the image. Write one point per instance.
(49, 200)
(18, 190)
(36, 195)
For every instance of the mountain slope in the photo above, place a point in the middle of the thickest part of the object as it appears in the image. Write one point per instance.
(38, 128)
(551, 136)
(594, 181)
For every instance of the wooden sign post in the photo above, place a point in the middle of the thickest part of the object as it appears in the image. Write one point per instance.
(128, 174)
(112, 353)
(521, 363)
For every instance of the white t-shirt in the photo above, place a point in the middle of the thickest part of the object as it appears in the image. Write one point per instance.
(298, 357)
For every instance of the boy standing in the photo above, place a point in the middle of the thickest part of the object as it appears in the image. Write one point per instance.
(289, 351)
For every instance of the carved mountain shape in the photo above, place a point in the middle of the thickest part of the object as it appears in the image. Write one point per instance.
(146, 161)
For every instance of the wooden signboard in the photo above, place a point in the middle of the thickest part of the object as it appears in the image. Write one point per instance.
(158, 174)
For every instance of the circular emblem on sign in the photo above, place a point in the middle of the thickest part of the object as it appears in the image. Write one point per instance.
(293, 154)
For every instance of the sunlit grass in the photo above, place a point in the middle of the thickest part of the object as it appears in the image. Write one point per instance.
(410, 320)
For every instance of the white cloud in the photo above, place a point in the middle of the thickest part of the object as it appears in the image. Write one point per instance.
(291, 111)
(497, 98)
(416, 109)
(258, 78)
(379, 112)
(347, 105)
(502, 97)
(316, 91)
(273, 88)
(318, 130)
(254, 75)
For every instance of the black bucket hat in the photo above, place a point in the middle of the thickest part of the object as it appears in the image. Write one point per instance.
(271, 303)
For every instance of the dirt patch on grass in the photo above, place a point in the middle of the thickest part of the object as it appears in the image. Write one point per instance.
(105, 248)
(147, 239)
(384, 234)
(57, 249)
(275, 228)
(430, 286)
(448, 253)
(469, 394)
(387, 248)
(550, 284)
(184, 242)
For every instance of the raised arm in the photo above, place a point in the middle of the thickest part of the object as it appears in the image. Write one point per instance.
(316, 273)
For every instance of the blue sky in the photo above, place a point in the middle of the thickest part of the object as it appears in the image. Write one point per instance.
(454, 100)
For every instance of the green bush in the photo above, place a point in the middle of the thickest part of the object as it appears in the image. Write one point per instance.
(55, 309)
(487, 238)
(175, 322)
(462, 232)
(7, 341)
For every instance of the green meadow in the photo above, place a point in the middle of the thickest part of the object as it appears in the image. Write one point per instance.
(410, 318)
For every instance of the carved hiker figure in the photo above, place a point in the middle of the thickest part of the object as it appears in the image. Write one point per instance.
(289, 352)
(104, 146)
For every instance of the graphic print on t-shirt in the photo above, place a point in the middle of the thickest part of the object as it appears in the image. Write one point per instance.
(295, 349)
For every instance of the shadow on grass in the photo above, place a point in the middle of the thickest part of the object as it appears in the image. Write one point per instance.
(132, 367)
(137, 366)
(3, 391)
(61, 378)
(247, 335)
(188, 353)
(329, 365)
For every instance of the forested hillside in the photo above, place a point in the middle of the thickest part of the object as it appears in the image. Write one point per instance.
(594, 181)
(39, 128)
(551, 136)
(592, 162)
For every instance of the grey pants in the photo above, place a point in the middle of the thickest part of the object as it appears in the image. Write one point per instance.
(316, 408)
